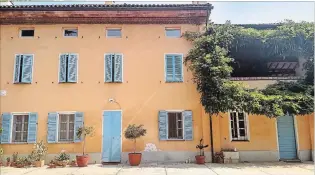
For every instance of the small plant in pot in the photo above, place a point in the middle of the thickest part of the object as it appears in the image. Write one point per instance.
(8, 161)
(132, 133)
(38, 153)
(200, 159)
(83, 132)
(62, 159)
(14, 158)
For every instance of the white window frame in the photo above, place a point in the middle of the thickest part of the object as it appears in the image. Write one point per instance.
(247, 133)
(183, 122)
(58, 126)
(20, 32)
(13, 129)
(170, 28)
(70, 28)
(113, 29)
(122, 67)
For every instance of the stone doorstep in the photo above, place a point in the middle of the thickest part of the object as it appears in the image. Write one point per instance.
(231, 155)
(231, 161)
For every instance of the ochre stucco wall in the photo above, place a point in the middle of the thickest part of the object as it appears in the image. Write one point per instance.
(142, 94)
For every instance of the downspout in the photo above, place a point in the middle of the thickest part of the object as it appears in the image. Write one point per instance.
(211, 139)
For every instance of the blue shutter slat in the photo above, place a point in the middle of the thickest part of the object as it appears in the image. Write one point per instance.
(188, 125)
(6, 128)
(108, 68)
(118, 68)
(17, 68)
(163, 126)
(32, 127)
(52, 127)
(178, 68)
(62, 68)
(27, 68)
(78, 122)
(72, 68)
(168, 68)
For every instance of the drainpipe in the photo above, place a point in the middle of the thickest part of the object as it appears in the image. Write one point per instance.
(211, 139)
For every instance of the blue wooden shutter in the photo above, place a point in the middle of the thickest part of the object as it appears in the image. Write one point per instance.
(72, 68)
(188, 125)
(118, 68)
(17, 69)
(6, 128)
(32, 127)
(27, 68)
(169, 68)
(52, 127)
(163, 125)
(108, 68)
(62, 68)
(78, 122)
(178, 68)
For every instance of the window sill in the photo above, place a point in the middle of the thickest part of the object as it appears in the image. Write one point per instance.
(175, 140)
(21, 83)
(68, 82)
(240, 140)
(174, 81)
(114, 82)
(64, 142)
(16, 143)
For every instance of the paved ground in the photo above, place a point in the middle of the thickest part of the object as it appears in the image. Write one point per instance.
(278, 168)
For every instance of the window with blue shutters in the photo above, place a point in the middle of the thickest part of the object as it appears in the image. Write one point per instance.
(23, 68)
(113, 68)
(175, 125)
(19, 127)
(173, 68)
(62, 126)
(68, 68)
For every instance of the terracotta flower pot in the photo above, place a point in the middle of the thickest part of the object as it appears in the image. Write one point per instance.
(83, 160)
(134, 159)
(13, 164)
(200, 159)
(8, 163)
(52, 165)
(39, 163)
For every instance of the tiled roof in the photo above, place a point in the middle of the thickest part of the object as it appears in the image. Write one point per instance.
(73, 7)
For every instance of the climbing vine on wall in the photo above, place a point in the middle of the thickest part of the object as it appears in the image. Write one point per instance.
(214, 50)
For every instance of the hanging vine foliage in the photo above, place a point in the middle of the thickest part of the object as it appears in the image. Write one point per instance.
(214, 50)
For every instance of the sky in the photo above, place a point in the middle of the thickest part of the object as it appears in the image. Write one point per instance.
(236, 12)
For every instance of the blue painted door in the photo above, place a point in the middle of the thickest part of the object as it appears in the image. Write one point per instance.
(286, 137)
(111, 136)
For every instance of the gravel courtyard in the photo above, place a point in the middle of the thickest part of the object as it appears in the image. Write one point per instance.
(275, 168)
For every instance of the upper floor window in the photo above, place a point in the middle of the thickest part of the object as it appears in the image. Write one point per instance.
(23, 68)
(173, 32)
(19, 127)
(70, 32)
(113, 67)
(68, 68)
(113, 33)
(27, 32)
(239, 126)
(173, 68)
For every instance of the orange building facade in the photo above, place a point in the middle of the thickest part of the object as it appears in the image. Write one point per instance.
(63, 67)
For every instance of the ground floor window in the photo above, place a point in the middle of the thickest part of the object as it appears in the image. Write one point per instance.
(66, 127)
(239, 126)
(20, 128)
(175, 125)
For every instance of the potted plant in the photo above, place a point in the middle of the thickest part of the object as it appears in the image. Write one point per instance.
(52, 164)
(39, 151)
(73, 163)
(200, 159)
(83, 132)
(219, 157)
(132, 133)
(20, 162)
(62, 159)
(8, 161)
(14, 159)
